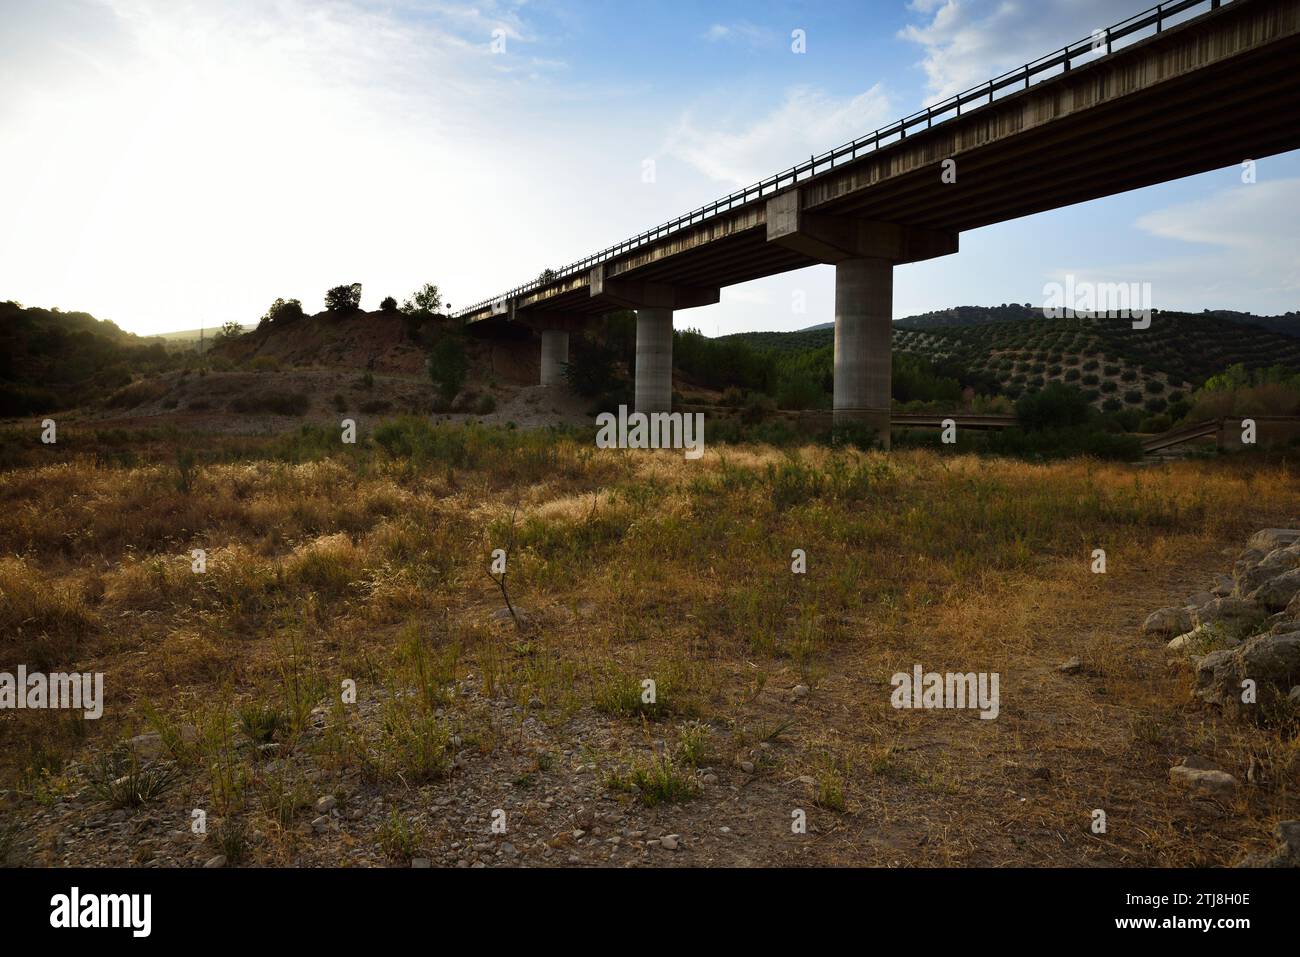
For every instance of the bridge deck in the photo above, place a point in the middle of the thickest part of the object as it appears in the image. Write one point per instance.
(1210, 92)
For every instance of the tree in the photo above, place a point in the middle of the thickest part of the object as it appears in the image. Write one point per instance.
(283, 311)
(344, 299)
(388, 305)
(590, 370)
(425, 301)
(547, 275)
(448, 366)
(231, 330)
(1056, 406)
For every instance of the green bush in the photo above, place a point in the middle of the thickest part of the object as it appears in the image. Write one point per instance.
(448, 366)
(1056, 406)
(283, 311)
(343, 300)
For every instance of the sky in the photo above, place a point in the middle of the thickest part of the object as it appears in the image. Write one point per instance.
(171, 163)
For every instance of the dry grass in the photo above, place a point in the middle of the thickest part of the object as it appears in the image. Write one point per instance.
(370, 564)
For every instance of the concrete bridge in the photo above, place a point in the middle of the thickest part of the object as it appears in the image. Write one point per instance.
(1182, 88)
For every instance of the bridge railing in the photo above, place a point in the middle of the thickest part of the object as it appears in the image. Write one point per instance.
(1053, 64)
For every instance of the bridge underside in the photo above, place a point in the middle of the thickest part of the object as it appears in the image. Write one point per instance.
(1204, 95)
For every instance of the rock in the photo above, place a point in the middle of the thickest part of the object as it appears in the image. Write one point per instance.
(321, 824)
(146, 746)
(1288, 835)
(218, 861)
(503, 614)
(421, 862)
(1186, 642)
(1230, 612)
(799, 691)
(1223, 586)
(1251, 576)
(1270, 538)
(326, 804)
(747, 767)
(1249, 557)
(1203, 782)
(1200, 598)
(669, 842)
(1198, 763)
(1267, 659)
(1294, 696)
(1276, 593)
(1287, 851)
(1071, 666)
(1167, 621)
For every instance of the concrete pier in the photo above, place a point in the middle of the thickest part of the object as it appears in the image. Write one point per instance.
(555, 355)
(654, 360)
(864, 301)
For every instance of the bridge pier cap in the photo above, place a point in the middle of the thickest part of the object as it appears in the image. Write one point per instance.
(654, 303)
(864, 253)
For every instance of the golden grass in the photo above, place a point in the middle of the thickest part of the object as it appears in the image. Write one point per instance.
(643, 564)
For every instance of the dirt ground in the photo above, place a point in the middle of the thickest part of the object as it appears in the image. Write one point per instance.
(787, 737)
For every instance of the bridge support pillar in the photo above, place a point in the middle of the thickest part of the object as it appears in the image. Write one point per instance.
(654, 303)
(654, 360)
(864, 253)
(555, 355)
(864, 302)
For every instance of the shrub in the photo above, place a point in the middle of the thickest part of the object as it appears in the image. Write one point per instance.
(425, 301)
(1056, 406)
(265, 364)
(388, 305)
(283, 311)
(448, 366)
(344, 300)
(590, 371)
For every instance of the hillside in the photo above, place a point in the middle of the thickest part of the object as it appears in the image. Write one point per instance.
(1113, 363)
(378, 341)
(52, 360)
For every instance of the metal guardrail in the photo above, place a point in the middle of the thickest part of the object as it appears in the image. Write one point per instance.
(984, 94)
(1184, 433)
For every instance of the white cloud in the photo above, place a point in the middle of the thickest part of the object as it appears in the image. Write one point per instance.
(809, 121)
(1242, 250)
(967, 42)
(185, 161)
(742, 32)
